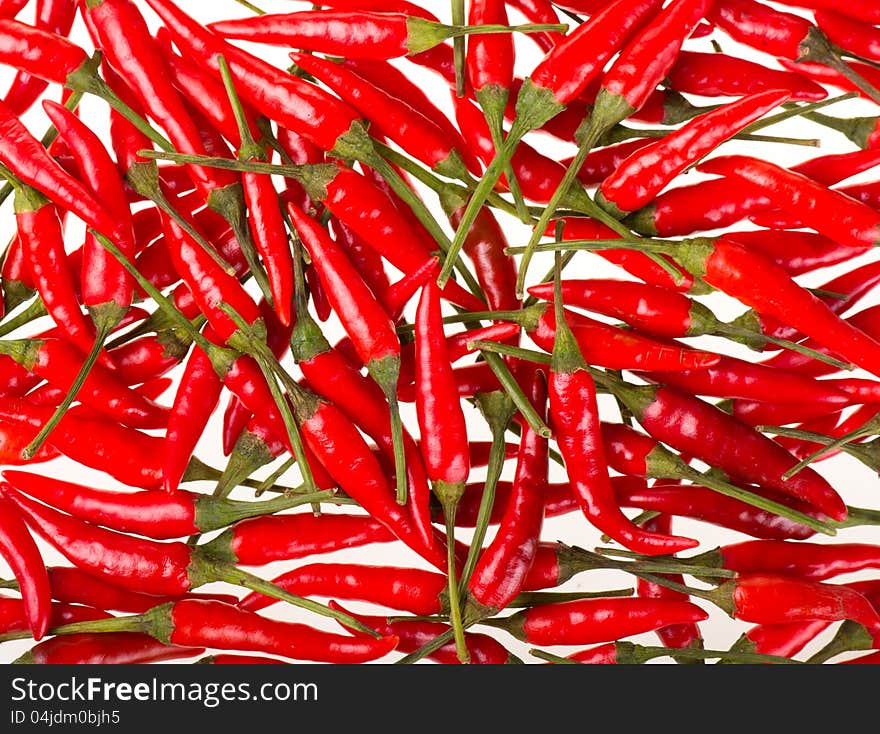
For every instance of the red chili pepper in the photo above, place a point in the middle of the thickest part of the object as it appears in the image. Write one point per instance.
(813, 561)
(11, 8)
(263, 540)
(125, 453)
(575, 419)
(151, 514)
(735, 378)
(708, 506)
(194, 403)
(642, 176)
(20, 552)
(218, 625)
(649, 308)
(602, 162)
(56, 360)
(758, 283)
(13, 617)
(109, 648)
(608, 346)
(416, 134)
(289, 100)
(849, 34)
(854, 223)
(540, 11)
(331, 376)
(703, 431)
(74, 588)
(405, 589)
(770, 598)
(39, 230)
(589, 621)
(55, 16)
(785, 639)
(503, 566)
(721, 75)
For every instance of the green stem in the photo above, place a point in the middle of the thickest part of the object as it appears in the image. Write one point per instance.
(498, 410)
(273, 478)
(514, 391)
(236, 576)
(269, 366)
(458, 48)
(850, 636)
(34, 310)
(455, 618)
(869, 428)
(796, 111)
(528, 599)
(106, 326)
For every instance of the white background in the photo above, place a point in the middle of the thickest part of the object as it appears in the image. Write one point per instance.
(857, 484)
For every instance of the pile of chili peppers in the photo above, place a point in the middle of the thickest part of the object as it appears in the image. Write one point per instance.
(273, 323)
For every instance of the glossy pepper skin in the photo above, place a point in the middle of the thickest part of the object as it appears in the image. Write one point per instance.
(590, 621)
(20, 552)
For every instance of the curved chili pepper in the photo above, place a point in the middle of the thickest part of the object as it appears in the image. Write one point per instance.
(609, 346)
(784, 639)
(333, 377)
(26, 157)
(649, 308)
(111, 648)
(106, 288)
(19, 551)
(575, 418)
(733, 269)
(597, 620)
(647, 171)
(721, 75)
(55, 16)
(503, 566)
(221, 626)
(405, 589)
(671, 416)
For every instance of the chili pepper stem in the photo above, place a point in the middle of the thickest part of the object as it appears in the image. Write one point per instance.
(229, 203)
(816, 47)
(386, 373)
(602, 119)
(871, 427)
(498, 410)
(757, 340)
(493, 101)
(86, 80)
(514, 391)
(458, 48)
(630, 653)
(528, 599)
(850, 636)
(144, 178)
(449, 495)
(211, 570)
(105, 318)
(34, 310)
